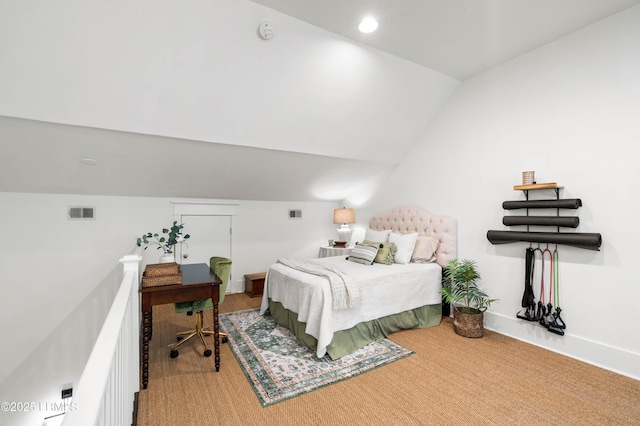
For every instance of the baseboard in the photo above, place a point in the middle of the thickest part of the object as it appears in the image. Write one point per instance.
(608, 357)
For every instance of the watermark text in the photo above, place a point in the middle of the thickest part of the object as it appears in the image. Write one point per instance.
(24, 406)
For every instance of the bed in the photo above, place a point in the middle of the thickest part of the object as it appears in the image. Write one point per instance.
(336, 305)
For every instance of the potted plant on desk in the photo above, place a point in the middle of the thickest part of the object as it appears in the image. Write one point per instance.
(460, 289)
(173, 236)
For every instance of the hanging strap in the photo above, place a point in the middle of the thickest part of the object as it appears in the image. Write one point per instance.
(530, 266)
(550, 284)
(528, 298)
(541, 255)
(558, 325)
(542, 277)
(556, 281)
(551, 289)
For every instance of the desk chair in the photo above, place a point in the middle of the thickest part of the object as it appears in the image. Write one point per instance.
(222, 268)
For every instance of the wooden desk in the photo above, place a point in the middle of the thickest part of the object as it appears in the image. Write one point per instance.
(198, 282)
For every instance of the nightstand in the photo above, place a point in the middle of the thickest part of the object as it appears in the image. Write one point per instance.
(334, 251)
(254, 284)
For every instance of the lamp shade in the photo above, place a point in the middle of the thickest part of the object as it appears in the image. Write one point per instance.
(344, 216)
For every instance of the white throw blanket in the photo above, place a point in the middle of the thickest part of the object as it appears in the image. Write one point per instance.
(344, 289)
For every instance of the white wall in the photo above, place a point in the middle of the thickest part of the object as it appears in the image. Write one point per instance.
(201, 72)
(262, 233)
(569, 111)
(57, 276)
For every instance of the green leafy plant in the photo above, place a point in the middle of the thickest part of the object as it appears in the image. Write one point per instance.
(460, 287)
(166, 243)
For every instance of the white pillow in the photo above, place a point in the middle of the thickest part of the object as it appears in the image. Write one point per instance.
(377, 236)
(405, 244)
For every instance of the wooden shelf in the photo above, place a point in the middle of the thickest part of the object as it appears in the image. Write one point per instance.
(549, 185)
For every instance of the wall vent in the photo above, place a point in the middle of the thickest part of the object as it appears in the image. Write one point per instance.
(295, 214)
(81, 213)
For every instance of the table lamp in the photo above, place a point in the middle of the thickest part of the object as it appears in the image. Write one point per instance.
(343, 216)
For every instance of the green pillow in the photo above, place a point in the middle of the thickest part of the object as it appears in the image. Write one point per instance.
(385, 252)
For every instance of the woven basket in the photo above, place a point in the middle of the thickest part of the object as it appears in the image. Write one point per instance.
(158, 274)
(159, 281)
(528, 177)
(468, 325)
(162, 269)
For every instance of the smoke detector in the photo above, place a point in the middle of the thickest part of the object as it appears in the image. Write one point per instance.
(265, 30)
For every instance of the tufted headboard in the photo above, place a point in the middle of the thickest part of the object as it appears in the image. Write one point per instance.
(409, 219)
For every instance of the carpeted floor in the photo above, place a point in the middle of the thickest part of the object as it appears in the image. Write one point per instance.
(448, 380)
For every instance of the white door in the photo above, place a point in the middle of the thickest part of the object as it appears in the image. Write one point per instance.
(208, 236)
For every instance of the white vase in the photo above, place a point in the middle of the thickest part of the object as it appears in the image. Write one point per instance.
(167, 258)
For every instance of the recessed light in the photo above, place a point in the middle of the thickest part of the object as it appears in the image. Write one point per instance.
(89, 161)
(368, 25)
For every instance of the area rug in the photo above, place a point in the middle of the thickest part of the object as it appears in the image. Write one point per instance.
(279, 368)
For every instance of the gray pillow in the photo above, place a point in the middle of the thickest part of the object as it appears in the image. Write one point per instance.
(363, 253)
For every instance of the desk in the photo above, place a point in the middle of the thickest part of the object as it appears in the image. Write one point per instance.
(198, 282)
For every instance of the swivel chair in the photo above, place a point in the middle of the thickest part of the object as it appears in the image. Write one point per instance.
(222, 268)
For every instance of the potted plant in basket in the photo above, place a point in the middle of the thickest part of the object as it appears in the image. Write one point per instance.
(173, 236)
(460, 289)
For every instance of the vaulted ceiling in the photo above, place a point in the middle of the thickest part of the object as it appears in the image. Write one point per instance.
(459, 38)
(189, 102)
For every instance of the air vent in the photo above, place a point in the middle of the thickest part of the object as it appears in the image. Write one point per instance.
(81, 213)
(295, 214)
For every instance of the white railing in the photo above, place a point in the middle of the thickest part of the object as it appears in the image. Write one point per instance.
(107, 387)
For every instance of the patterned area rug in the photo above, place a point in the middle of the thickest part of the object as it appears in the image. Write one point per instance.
(279, 368)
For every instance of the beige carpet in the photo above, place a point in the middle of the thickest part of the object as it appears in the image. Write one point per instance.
(449, 380)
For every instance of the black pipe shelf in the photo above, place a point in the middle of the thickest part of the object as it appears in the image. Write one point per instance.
(563, 221)
(590, 241)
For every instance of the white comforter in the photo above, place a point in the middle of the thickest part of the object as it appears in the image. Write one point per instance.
(385, 290)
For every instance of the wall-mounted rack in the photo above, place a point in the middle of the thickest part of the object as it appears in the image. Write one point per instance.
(590, 241)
